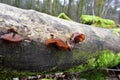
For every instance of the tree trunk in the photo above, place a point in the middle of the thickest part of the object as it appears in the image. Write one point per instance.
(69, 8)
(55, 7)
(35, 27)
(79, 9)
(49, 6)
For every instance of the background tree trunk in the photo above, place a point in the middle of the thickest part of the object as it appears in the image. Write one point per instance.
(79, 10)
(55, 9)
(69, 8)
(33, 55)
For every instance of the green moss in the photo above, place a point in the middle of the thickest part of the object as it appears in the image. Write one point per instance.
(9, 74)
(88, 19)
(94, 75)
(103, 25)
(90, 64)
(108, 22)
(106, 59)
(64, 16)
(97, 21)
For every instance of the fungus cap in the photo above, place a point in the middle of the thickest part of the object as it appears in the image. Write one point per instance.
(60, 44)
(10, 38)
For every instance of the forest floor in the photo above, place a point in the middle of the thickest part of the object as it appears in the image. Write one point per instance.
(106, 74)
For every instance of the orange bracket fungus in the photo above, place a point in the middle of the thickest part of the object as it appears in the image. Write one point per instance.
(11, 36)
(68, 45)
(60, 44)
(77, 37)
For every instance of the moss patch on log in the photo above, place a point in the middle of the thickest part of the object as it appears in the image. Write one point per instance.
(64, 16)
(97, 21)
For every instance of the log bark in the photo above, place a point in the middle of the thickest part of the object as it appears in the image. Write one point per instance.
(35, 27)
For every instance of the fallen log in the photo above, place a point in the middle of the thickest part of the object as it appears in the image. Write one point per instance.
(31, 53)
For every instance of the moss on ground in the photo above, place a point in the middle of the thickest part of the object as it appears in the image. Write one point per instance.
(94, 75)
(106, 59)
(93, 69)
(9, 74)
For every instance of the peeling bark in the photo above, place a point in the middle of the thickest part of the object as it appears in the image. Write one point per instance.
(35, 27)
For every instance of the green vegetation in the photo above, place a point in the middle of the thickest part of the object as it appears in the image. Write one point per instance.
(93, 68)
(94, 75)
(106, 59)
(88, 19)
(97, 21)
(8, 74)
(64, 16)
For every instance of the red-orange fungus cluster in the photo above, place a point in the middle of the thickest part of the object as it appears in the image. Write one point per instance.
(69, 44)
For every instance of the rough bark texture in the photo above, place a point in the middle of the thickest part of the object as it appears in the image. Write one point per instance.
(32, 54)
